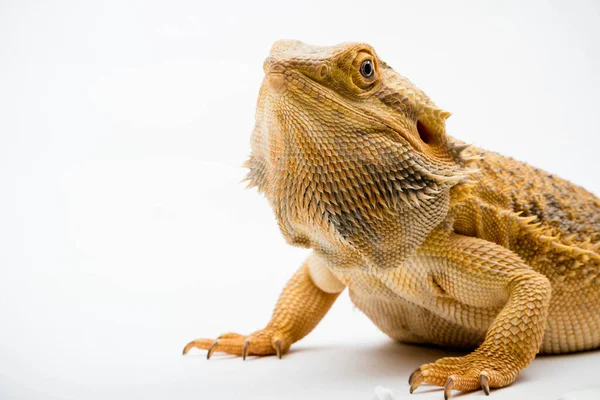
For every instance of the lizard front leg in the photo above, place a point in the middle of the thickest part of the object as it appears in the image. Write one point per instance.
(300, 307)
(482, 275)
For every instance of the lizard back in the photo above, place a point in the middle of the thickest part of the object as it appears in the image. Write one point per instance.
(553, 224)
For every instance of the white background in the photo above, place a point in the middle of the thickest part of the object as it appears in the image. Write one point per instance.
(124, 230)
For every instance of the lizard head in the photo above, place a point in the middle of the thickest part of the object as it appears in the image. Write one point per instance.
(345, 148)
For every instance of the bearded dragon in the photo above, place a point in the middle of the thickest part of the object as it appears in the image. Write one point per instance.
(437, 241)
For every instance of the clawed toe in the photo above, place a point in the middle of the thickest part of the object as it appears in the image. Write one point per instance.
(260, 343)
(464, 374)
(278, 349)
(200, 344)
(413, 374)
(245, 349)
(484, 384)
(448, 388)
(211, 348)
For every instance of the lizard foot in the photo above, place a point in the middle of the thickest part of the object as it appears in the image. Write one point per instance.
(471, 372)
(261, 343)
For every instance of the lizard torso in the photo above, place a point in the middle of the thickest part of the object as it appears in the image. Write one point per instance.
(550, 223)
(437, 242)
(365, 175)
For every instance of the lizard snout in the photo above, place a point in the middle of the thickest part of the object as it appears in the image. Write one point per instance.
(275, 78)
(273, 66)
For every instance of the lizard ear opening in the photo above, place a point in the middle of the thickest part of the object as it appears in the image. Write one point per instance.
(426, 135)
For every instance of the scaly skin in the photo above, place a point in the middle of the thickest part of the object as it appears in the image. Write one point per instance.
(437, 242)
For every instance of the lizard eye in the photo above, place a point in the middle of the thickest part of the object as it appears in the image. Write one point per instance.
(366, 69)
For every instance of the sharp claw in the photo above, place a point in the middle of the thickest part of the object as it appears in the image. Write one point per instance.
(448, 388)
(485, 385)
(278, 348)
(210, 349)
(416, 382)
(245, 349)
(413, 374)
(187, 348)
